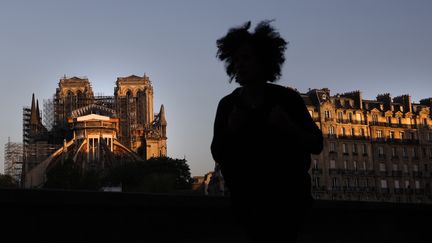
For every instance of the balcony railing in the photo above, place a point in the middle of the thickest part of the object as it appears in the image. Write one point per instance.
(396, 140)
(417, 174)
(419, 191)
(317, 171)
(397, 173)
(385, 190)
(395, 125)
(398, 191)
(348, 121)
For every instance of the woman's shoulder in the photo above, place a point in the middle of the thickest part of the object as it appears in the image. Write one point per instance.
(279, 90)
(230, 98)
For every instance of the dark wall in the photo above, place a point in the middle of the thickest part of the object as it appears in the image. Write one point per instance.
(58, 216)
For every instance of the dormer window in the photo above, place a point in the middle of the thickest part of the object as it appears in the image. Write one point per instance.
(350, 117)
(374, 118)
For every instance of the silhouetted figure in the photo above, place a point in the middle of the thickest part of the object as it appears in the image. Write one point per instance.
(263, 137)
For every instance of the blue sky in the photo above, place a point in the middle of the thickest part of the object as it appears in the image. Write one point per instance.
(374, 46)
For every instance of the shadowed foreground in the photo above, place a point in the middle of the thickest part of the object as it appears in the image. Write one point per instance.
(60, 216)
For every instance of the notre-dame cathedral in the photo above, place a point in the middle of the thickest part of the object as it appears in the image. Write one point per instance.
(96, 132)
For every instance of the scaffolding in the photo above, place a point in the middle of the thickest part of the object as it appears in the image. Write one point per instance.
(48, 113)
(13, 159)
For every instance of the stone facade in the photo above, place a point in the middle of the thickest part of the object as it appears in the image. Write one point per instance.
(96, 132)
(374, 150)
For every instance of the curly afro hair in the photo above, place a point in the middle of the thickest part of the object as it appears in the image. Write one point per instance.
(266, 42)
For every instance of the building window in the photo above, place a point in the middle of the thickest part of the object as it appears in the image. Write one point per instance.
(354, 148)
(332, 147)
(345, 164)
(405, 168)
(335, 182)
(384, 184)
(395, 167)
(379, 133)
(362, 132)
(382, 167)
(327, 114)
(392, 135)
(414, 151)
(364, 165)
(343, 131)
(407, 184)
(340, 116)
(331, 130)
(355, 165)
(417, 184)
(380, 151)
(317, 181)
(315, 163)
(350, 117)
(388, 120)
(401, 135)
(374, 118)
(364, 148)
(352, 132)
(415, 168)
(393, 152)
(425, 121)
(396, 184)
(344, 148)
(332, 164)
(399, 120)
(404, 152)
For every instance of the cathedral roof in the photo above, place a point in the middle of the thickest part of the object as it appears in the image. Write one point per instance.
(93, 109)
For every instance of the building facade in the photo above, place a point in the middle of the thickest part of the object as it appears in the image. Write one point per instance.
(374, 150)
(96, 132)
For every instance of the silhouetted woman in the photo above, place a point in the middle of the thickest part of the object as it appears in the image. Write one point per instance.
(263, 136)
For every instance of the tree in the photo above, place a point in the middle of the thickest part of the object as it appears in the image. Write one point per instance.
(161, 174)
(64, 175)
(7, 181)
(68, 175)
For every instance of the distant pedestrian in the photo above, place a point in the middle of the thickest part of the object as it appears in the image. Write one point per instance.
(263, 136)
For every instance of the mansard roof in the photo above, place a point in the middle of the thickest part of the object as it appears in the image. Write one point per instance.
(307, 100)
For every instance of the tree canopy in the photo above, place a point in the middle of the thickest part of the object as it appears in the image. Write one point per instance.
(161, 174)
(7, 181)
(155, 175)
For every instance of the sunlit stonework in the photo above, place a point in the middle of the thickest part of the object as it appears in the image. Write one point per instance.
(96, 132)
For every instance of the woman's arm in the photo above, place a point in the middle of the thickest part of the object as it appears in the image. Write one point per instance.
(219, 146)
(297, 123)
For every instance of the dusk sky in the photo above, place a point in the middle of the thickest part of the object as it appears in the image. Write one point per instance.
(376, 46)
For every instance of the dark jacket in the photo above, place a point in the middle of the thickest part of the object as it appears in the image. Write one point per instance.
(259, 158)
